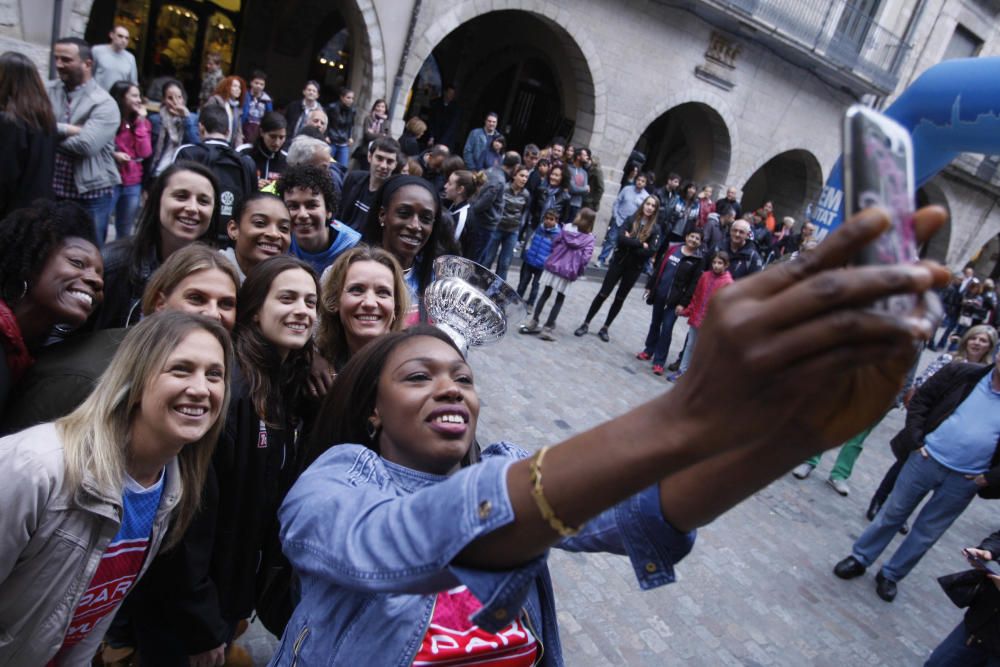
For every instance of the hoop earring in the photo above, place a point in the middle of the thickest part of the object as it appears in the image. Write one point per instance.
(372, 430)
(24, 290)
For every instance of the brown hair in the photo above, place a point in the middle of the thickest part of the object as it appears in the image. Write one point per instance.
(469, 182)
(182, 263)
(585, 220)
(416, 126)
(643, 227)
(331, 340)
(22, 93)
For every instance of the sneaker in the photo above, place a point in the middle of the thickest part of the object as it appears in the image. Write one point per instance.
(675, 376)
(657, 369)
(581, 330)
(674, 366)
(839, 485)
(802, 470)
(529, 328)
(645, 356)
(546, 334)
(603, 334)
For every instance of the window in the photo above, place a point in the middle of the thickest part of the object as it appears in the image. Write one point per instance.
(963, 44)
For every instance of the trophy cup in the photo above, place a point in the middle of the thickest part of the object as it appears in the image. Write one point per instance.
(471, 303)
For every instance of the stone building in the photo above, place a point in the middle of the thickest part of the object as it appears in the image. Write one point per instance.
(745, 93)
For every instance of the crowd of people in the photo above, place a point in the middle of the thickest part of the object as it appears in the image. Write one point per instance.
(238, 408)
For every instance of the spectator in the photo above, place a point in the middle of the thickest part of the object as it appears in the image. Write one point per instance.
(341, 115)
(360, 186)
(629, 199)
(444, 118)
(595, 179)
(516, 202)
(432, 161)
(212, 78)
(410, 140)
(173, 127)
(951, 449)
(766, 215)
(257, 104)
(709, 283)
(297, 112)
(761, 237)
(266, 151)
(539, 247)
(529, 158)
(230, 95)
(112, 62)
(488, 207)
(27, 134)
(951, 299)
(743, 257)
(785, 241)
(495, 152)
(577, 181)
(317, 238)
(557, 151)
(236, 172)
(133, 144)
(668, 196)
(731, 201)
(684, 215)
(375, 124)
(88, 120)
(460, 189)
(705, 206)
(478, 143)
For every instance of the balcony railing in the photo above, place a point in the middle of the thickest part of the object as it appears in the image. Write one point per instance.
(834, 30)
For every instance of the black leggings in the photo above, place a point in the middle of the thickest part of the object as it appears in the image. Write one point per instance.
(627, 273)
(888, 482)
(554, 313)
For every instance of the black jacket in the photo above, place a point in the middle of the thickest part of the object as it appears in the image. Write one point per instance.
(355, 189)
(982, 620)
(629, 250)
(685, 280)
(211, 579)
(27, 162)
(123, 286)
(934, 402)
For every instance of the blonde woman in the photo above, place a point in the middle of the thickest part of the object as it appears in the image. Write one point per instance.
(87, 500)
(364, 297)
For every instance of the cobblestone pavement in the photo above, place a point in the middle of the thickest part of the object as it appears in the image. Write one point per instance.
(758, 587)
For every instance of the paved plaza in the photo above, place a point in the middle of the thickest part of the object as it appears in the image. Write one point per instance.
(758, 587)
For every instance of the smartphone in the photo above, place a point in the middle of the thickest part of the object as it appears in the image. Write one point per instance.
(988, 566)
(878, 171)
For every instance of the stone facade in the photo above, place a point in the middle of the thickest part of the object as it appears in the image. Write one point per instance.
(623, 65)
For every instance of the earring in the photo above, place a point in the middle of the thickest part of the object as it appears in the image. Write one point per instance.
(24, 289)
(372, 430)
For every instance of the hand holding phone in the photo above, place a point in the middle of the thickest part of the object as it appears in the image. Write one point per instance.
(979, 560)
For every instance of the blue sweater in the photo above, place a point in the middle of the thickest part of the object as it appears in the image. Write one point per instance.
(345, 239)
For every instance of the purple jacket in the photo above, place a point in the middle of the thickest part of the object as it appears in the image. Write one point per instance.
(570, 253)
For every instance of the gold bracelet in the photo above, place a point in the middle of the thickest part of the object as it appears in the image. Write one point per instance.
(543, 504)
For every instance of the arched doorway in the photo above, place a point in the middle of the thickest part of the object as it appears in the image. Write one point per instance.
(535, 78)
(691, 140)
(936, 247)
(790, 180)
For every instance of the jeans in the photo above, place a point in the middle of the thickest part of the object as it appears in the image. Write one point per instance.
(100, 211)
(689, 342)
(341, 153)
(950, 323)
(126, 204)
(502, 243)
(474, 241)
(529, 274)
(951, 493)
(953, 652)
(661, 331)
(610, 241)
(849, 453)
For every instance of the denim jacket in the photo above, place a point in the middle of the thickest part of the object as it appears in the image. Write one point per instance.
(373, 542)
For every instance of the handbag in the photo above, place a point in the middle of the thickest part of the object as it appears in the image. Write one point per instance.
(962, 587)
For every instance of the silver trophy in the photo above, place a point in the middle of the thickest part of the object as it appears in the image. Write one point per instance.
(471, 303)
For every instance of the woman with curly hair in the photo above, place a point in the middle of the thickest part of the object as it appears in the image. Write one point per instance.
(27, 133)
(230, 95)
(50, 275)
(364, 297)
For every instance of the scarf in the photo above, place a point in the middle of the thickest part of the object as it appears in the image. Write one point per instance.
(172, 129)
(19, 360)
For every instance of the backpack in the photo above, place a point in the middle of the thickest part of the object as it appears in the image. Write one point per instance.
(235, 173)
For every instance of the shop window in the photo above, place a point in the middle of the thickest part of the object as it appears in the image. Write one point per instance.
(220, 36)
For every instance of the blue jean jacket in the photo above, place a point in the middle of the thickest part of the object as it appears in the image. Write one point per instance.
(373, 542)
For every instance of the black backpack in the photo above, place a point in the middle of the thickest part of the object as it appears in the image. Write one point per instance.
(234, 172)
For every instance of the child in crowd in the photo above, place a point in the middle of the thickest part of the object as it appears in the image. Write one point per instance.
(708, 284)
(537, 252)
(571, 251)
(257, 103)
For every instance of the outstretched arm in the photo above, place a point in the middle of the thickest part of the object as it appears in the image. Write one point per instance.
(803, 358)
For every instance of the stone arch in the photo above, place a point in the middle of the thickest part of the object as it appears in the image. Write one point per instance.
(585, 79)
(371, 70)
(792, 179)
(690, 138)
(936, 247)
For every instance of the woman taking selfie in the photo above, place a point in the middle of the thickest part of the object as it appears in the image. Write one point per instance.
(80, 495)
(390, 529)
(364, 297)
(181, 209)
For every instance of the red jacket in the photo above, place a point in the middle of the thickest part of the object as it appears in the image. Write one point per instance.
(707, 286)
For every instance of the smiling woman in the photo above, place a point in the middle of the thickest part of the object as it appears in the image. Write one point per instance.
(260, 229)
(50, 274)
(89, 500)
(181, 208)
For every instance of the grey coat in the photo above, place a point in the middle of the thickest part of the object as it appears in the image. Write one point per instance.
(52, 539)
(92, 150)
